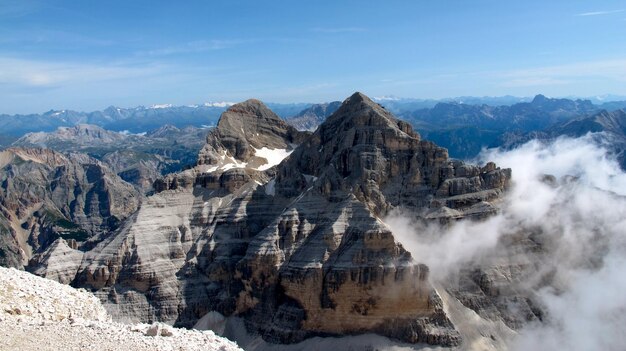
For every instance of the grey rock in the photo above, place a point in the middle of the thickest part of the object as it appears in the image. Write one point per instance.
(45, 195)
(298, 249)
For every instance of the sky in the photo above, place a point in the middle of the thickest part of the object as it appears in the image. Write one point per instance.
(87, 55)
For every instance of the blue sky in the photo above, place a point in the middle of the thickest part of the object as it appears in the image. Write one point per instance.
(87, 55)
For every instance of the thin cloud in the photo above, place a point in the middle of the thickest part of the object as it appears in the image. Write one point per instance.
(192, 47)
(33, 73)
(533, 82)
(338, 30)
(563, 74)
(598, 13)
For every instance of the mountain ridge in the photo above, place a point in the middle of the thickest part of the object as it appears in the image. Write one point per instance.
(302, 248)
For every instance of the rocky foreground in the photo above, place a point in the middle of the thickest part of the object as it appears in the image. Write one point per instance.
(40, 314)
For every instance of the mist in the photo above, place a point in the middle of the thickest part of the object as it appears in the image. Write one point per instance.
(580, 209)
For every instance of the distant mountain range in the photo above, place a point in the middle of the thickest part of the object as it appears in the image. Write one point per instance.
(465, 129)
(134, 120)
(138, 159)
(404, 105)
(143, 119)
(311, 117)
(143, 143)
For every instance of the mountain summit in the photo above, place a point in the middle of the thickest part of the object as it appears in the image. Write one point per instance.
(283, 228)
(244, 128)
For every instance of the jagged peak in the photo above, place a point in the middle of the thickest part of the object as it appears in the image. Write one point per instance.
(359, 97)
(360, 111)
(251, 108)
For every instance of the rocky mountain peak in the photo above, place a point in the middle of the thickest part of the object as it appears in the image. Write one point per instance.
(251, 109)
(285, 229)
(243, 130)
(360, 112)
(363, 150)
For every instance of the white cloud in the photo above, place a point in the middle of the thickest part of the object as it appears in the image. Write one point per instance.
(33, 73)
(533, 82)
(612, 70)
(192, 47)
(598, 13)
(584, 217)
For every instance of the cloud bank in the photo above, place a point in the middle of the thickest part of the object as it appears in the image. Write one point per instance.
(580, 212)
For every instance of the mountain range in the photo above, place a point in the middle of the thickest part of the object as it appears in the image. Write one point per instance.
(466, 129)
(282, 235)
(278, 225)
(138, 158)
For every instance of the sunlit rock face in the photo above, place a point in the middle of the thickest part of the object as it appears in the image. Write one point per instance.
(295, 246)
(46, 195)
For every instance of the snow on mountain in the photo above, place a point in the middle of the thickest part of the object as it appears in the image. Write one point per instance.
(157, 106)
(218, 104)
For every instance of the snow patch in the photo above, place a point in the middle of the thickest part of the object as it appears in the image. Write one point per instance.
(157, 106)
(273, 156)
(219, 104)
(386, 98)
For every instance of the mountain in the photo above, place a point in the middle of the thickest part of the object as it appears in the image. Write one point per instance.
(465, 129)
(608, 128)
(134, 120)
(80, 136)
(540, 113)
(138, 159)
(283, 229)
(46, 195)
(287, 110)
(310, 118)
(613, 105)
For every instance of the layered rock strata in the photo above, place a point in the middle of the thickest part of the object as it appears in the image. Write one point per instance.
(284, 229)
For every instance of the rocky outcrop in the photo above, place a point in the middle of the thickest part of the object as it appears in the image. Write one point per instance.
(246, 128)
(45, 195)
(40, 314)
(364, 150)
(284, 229)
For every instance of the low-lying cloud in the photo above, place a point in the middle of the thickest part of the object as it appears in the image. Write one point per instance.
(581, 212)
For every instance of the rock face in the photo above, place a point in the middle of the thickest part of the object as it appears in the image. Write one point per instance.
(45, 195)
(284, 229)
(247, 127)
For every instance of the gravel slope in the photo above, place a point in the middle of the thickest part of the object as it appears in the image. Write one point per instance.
(40, 314)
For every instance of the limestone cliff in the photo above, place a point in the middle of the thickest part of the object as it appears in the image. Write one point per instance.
(284, 229)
